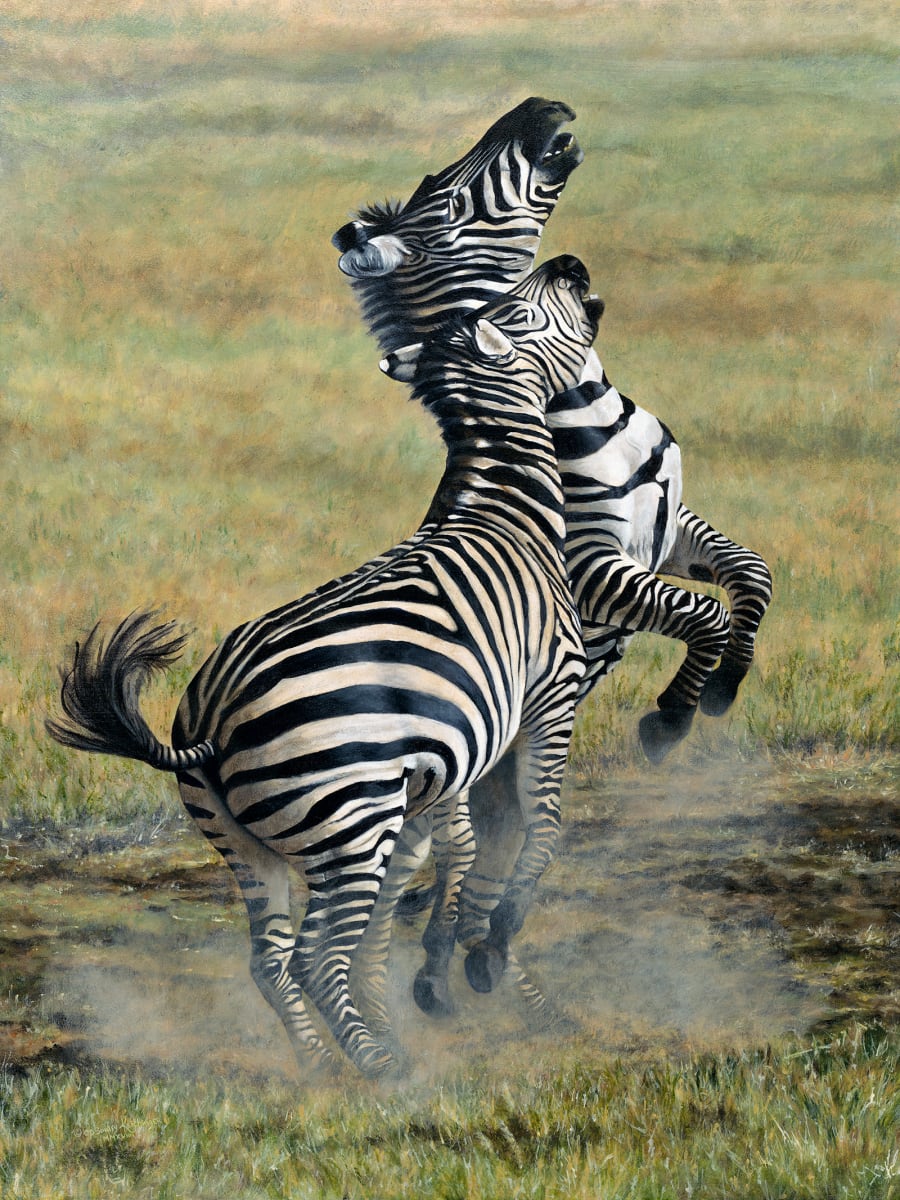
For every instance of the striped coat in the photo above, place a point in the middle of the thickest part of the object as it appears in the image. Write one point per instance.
(468, 232)
(313, 732)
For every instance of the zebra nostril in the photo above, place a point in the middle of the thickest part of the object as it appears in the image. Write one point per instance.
(351, 236)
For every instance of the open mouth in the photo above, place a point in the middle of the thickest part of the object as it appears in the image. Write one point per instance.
(563, 143)
(560, 155)
(593, 307)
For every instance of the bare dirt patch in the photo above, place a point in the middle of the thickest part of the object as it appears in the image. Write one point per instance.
(688, 909)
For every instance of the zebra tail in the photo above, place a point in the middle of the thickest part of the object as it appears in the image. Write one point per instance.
(101, 693)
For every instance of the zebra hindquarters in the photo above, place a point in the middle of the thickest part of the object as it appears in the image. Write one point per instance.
(264, 881)
(702, 553)
(343, 870)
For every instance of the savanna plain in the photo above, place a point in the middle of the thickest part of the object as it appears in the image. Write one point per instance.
(193, 418)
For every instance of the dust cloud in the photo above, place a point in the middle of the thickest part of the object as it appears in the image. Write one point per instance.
(637, 938)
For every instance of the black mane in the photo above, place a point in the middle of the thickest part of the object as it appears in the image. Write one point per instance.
(380, 213)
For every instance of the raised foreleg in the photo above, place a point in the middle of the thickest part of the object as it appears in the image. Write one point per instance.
(702, 553)
(619, 592)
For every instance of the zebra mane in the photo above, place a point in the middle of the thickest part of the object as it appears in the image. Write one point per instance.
(378, 213)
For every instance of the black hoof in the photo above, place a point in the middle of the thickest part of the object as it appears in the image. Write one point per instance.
(432, 995)
(720, 690)
(484, 967)
(661, 730)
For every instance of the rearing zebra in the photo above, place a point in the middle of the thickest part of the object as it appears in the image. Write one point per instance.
(314, 731)
(470, 232)
(465, 233)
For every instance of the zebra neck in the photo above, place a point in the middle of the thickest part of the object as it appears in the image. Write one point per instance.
(396, 319)
(505, 468)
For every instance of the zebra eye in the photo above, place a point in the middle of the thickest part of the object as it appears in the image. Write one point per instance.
(456, 206)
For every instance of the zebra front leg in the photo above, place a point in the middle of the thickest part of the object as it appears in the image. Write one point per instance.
(540, 760)
(619, 592)
(454, 853)
(702, 553)
(264, 880)
(344, 883)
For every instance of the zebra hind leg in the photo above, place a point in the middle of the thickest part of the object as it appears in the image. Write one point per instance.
(368, 973)
(454, 853)
(343, 892)
(264, 880)
(539, 762)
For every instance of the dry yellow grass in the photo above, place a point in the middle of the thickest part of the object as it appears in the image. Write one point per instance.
(192, 410)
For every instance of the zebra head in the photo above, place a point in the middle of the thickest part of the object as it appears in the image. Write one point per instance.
(537, 335)
(465, 234)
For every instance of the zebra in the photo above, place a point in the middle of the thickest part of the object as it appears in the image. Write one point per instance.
(473, 230)
(465, 233)
(313, 731)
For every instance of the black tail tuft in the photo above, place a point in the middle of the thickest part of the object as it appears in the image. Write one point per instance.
(101, 693)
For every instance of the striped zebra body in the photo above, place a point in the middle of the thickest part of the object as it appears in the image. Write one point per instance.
(313, 732)
(467, 231)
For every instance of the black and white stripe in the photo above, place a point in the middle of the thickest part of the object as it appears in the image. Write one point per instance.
(313, 732)
(467, 233)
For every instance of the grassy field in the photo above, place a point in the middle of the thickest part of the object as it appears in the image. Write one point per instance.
(726, 990)
(192, 417)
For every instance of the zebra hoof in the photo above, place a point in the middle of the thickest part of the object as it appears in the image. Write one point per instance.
(377, 1062)
(661, 730)
(720, 690)
(484, 967)
(432, 995)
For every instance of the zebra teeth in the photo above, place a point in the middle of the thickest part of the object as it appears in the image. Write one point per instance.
(561, 144)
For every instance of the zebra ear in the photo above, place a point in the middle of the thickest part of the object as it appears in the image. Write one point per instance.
(401, 364)
(493, 342)
(379, 256)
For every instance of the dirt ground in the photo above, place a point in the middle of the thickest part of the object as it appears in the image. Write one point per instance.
(685, 909)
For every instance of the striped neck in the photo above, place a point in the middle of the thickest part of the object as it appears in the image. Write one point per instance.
(500, 462)
(397, 315)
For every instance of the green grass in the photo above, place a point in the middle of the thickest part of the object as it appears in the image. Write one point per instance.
(798, 1120)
